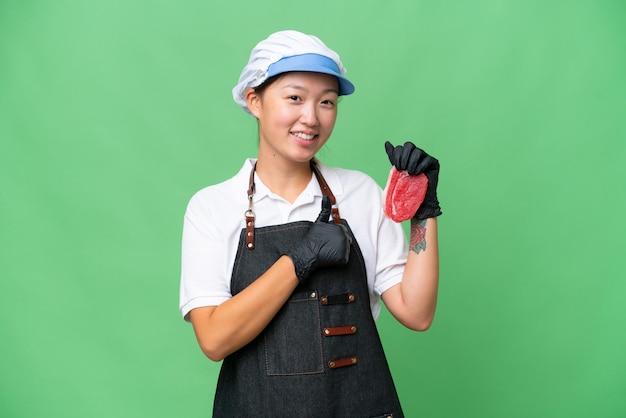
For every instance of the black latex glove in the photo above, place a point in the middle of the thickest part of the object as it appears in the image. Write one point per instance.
(325, 244)
(415, 161)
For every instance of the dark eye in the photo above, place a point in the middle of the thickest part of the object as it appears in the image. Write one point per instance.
(294, 98)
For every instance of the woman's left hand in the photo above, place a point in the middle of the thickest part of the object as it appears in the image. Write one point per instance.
(414, 160)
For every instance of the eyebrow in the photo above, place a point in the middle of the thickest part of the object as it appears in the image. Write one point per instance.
(299, 87)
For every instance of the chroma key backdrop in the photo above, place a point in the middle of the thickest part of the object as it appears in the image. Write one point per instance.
(113, 113)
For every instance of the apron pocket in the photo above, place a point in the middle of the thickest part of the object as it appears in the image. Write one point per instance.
(293, 340)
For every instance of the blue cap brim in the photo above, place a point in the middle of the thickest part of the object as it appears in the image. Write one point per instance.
(312, 63)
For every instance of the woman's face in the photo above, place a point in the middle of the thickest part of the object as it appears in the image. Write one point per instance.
(296, 115)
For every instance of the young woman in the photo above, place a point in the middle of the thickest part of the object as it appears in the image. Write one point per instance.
(284, 264)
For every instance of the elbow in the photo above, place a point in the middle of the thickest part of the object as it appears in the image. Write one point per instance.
(214, 356)
(212, 352)
(420, 325)
(423, 326)
(212, 343)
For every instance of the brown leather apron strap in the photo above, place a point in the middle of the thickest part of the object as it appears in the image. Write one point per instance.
(250, 215)
(326, 191)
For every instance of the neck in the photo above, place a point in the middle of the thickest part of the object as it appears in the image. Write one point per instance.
(286, 180)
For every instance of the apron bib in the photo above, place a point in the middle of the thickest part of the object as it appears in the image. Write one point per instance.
(321, 355)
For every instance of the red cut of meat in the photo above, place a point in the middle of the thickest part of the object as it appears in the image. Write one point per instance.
(403, 194)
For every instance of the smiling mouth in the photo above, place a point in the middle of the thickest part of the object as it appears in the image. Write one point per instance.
(301, 135)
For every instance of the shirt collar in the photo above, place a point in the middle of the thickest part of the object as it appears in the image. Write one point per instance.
(313, 188)
(331, 177)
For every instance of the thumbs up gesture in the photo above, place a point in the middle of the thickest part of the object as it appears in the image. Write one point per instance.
(325, 244)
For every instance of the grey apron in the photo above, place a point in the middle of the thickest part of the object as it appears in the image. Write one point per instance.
(321, 355)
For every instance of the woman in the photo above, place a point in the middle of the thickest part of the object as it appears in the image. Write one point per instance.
(286, 298)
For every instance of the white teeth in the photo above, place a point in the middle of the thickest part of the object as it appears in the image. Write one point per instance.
(304, 136)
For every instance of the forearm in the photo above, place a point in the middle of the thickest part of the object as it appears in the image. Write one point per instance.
(226, 328)
(414, 300)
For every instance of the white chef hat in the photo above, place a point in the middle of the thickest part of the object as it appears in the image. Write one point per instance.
(288, 51)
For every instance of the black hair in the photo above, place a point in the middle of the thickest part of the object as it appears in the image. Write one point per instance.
(261, 88)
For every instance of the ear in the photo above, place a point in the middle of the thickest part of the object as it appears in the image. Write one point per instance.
(253, 100)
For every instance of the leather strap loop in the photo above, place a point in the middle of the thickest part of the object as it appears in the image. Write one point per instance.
(343, 362)
(335, 331)
(338, 299)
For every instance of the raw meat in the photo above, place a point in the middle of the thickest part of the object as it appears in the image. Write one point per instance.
(403, 194)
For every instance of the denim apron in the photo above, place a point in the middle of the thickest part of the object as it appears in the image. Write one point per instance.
(321, 355)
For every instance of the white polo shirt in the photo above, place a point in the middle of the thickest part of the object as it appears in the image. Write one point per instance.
(215, 217)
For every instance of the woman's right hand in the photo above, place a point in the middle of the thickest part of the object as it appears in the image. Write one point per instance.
(325, 244)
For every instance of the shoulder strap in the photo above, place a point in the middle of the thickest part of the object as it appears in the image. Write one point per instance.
(326, 191)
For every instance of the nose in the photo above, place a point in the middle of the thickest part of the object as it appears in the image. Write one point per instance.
(309, 115)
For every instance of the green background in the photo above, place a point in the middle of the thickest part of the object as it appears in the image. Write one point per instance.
(113, 113)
